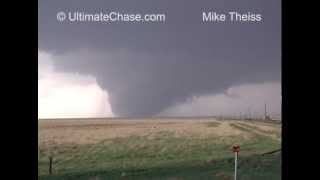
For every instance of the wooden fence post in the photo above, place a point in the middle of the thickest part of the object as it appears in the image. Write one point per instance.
(50, 165)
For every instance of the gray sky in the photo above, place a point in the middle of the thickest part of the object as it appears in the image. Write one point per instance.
(154, 68)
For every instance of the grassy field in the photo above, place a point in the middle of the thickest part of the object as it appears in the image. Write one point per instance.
(170, 149)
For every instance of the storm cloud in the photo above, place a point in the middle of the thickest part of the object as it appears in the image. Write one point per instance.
(147, 68)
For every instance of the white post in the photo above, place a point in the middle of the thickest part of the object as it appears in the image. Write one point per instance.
(235, 165)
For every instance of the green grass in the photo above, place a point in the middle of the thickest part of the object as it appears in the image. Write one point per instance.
(238, 126)
(164, 157)
(250, 168)
(213, 124)
(255, 129)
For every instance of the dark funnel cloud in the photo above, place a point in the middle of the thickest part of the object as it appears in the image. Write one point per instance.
(148, 67)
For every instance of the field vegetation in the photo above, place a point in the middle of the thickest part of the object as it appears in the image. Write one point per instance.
(170, 149)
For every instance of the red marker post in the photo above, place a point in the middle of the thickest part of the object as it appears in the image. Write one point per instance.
(236, 150)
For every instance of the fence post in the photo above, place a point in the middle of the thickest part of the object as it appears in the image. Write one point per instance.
(236, 150)
(50, 165)
(235, 165)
